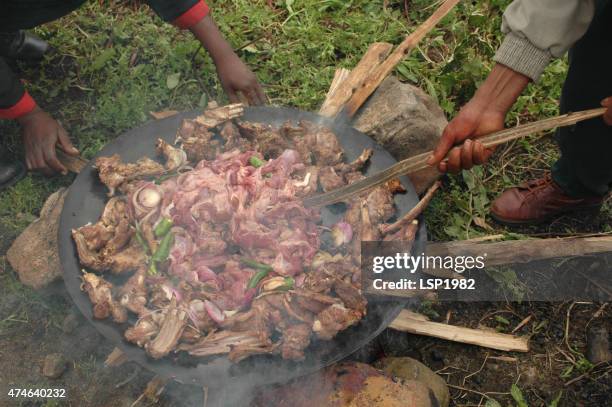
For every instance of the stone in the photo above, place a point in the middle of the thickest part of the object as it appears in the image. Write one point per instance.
(54, 365)
(406, 122)
(70, 323)
(598, 345)
(412, 370)
(34, 254)
(347, 384)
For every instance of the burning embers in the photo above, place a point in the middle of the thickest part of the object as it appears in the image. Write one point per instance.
(224, 258)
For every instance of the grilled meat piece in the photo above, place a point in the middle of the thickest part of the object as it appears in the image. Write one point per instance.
(133, 294)
(329, 179)
(267, 139)
(219, 115)
(350, 295)
(101, 296)
(96, 236)
(172, 327)
(221, 342)
(334, 319)
(295, 339)
(128, 259)
(175, 157)
(114, 173)
(324, 146)
(144, 330)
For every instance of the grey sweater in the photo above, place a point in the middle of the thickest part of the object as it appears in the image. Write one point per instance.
(539, 30)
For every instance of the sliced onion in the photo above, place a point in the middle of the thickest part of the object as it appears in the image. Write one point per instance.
(342, 233)
(146, 199)
(214, 312)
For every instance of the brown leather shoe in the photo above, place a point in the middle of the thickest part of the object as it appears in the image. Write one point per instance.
(537, 201)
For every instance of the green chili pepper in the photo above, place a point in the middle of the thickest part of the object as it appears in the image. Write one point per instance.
(163, 227)
(257, 278)
(289, 284)
(256, 265)
(163, 250)
(141, 240)
(255, 162)
(152, 268)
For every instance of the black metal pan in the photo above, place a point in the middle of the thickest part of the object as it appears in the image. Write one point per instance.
(86, 199)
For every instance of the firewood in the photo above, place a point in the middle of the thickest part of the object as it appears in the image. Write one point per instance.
(523, 251)
(370, 84)
(410, 322)
(343, 89)
(115, 358)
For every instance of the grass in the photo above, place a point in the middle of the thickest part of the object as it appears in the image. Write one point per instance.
(114, 64)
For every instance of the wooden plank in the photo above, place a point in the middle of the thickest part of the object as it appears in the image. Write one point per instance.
(523, 251)
(376, 53)
(410, 322)
(368, 86)
(340, 76)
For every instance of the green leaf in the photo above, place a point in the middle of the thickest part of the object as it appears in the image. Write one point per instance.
(555, 402)
(492, 403)
(502, 320)
(517, 395)
(172, 80)
(103, 58)
(203, 100)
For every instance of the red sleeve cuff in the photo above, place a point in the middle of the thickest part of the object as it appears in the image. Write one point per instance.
(25, 105)
(192, 16)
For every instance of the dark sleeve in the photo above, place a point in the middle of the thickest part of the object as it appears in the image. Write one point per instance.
(14, 100)
(182, 13)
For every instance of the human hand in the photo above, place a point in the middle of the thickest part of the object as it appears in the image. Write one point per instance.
(41, 134)
(482, 115)
(237, 78)
(607, 117)
(473, 121)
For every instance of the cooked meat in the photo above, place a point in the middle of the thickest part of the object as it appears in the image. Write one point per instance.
(133, 294)
(295, 339)
(350, 295)
(325, 146)
(129, 259)
(222, 342)
(219, 115)
(172, 326)
(101, 296)
(334, 319)
(330, 179)
(227, 259)
(175, 157)
(268, 139)
(114, 173)
(144, 330)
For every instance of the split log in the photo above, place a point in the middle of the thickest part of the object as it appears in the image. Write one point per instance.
(410, 322)
(383, 70)
(523, 251)
(376, 53)
(116, 358)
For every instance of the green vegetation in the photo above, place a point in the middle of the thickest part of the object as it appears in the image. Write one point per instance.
(115, 63)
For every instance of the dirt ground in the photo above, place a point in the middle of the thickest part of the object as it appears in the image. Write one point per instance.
(34, 325)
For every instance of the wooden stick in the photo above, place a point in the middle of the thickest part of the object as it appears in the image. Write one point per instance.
(340, 76)
(414, 212)
(406, 321)
(376, 53)
(379, 74)
(115, 358)
(523, 251)
(419, 162)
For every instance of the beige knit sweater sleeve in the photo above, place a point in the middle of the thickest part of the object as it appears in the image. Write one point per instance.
(540, 30)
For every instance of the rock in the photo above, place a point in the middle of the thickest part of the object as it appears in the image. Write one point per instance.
(413, 370)
(406, 122)
(54, 366)
(70, 323)
(347, 384)
(34, 254)
(598, 345)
